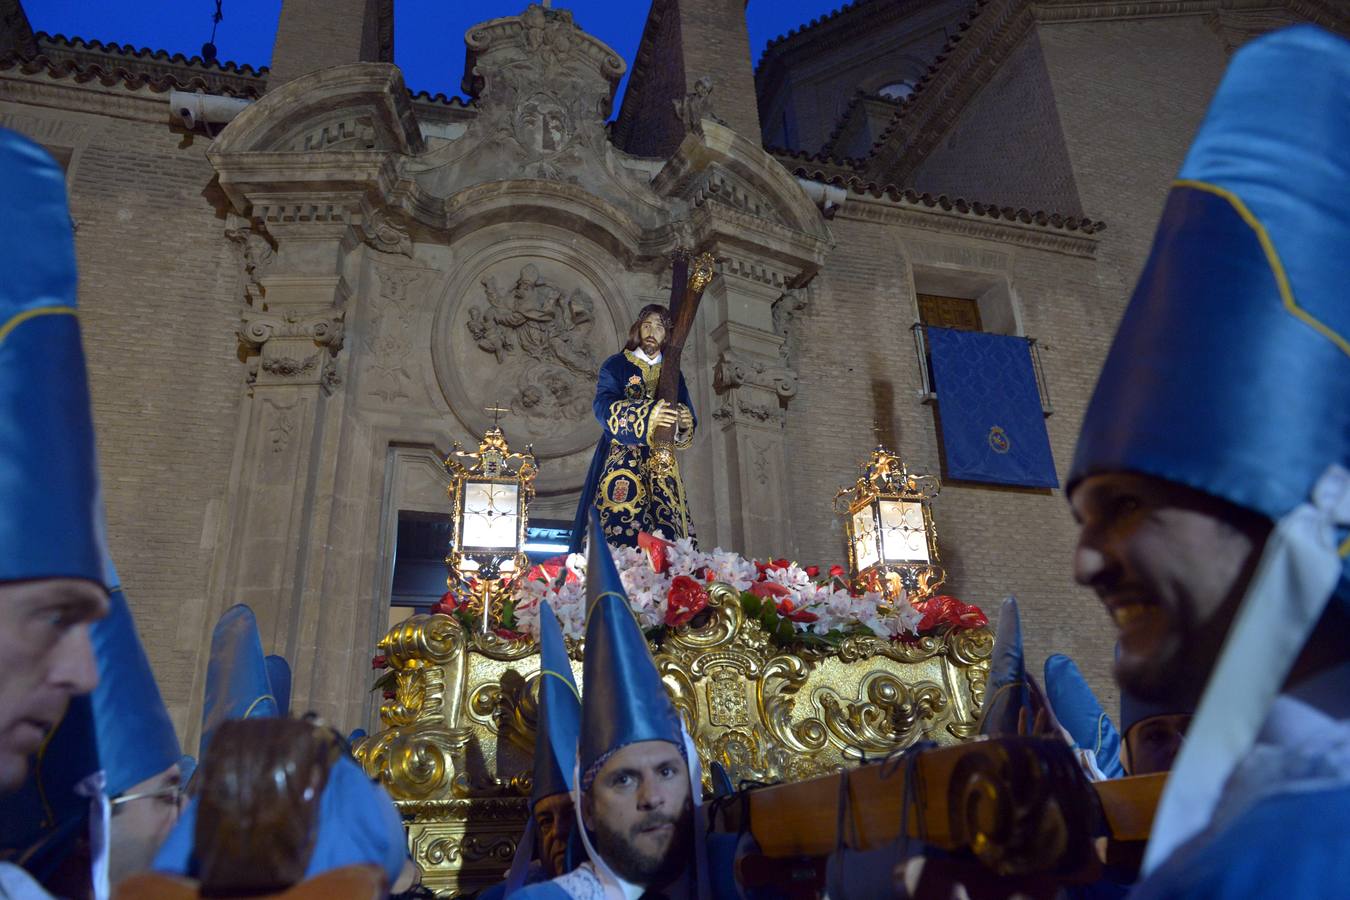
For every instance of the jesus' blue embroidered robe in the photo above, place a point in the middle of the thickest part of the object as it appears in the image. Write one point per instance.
(631, 499)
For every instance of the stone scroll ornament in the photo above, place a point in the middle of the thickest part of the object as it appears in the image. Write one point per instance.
(543, 334)
(690, 275)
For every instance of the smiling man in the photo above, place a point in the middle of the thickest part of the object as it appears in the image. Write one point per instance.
(1211, 485)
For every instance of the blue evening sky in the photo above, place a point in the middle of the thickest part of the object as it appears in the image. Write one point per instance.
(428, 34)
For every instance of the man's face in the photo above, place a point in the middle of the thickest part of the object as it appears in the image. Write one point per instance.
(141, 820)
(641, 812)
(45, 659)
(651, 335)
(1152, 744)
(553, 819)
(1170, 564)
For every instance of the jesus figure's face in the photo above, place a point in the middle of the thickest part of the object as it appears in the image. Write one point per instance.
(651, 335)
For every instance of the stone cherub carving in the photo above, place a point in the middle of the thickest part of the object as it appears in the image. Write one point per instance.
(543, 334)
(697, 106)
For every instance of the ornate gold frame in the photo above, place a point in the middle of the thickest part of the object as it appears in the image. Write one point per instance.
(459, 732)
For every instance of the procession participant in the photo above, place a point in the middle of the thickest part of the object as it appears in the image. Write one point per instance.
(137, 745)
(620, 484)
(279, 800)
(637, 792)
(1152, 733)
(51, 583)
(557, 726)
(1090, 731)
(1211, 487)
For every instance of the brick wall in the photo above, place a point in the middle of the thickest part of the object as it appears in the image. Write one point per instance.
(813, 76)
(1007, 147)
(158, 286)
(858, 366)
(1130, 96)
(685, 40)
(313, 34)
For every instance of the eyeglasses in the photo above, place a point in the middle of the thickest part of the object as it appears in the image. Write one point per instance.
(171, 795)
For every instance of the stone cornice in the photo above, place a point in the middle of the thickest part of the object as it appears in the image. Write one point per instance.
(128, 62)
(40, 88)
(883, 210)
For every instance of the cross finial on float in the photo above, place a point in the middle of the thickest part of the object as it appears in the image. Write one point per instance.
(497, 413)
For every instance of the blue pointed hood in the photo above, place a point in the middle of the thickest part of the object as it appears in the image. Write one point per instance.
(279, 677)
(136, 737)
(48, 473)
(1231, 367)
(1078, 710)
(236, 676)
(1005, 691)
(625, 700)
(559, 719)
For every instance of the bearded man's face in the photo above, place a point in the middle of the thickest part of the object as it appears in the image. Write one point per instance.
(642, 813)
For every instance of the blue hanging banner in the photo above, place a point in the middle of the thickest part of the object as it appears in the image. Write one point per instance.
(993, 429)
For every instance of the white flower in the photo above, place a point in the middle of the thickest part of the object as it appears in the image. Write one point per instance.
(685, 559)
(732, 568)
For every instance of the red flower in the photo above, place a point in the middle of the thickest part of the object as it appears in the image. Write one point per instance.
(655, 548)
(789, 611)
(510, 635)
(947, 610)
(837, 572)
(446, 605)
(687, 598)
(765, 568)
(548, 570)
(769, 590)
(389, 695)
(379, 662)
(812, 571)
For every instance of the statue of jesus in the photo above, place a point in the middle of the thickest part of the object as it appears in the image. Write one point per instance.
(630, 495)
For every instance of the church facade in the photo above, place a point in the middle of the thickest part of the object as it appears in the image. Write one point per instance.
(300, 285)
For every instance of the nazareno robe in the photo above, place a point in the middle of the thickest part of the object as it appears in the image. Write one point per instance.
(630, 498)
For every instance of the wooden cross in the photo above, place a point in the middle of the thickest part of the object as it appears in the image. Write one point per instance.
(686, 290)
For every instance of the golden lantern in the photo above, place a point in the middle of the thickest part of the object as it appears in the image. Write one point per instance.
(888, 521)
(490, 488)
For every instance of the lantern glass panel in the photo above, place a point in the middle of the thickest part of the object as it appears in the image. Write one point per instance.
(904, 538)
(866, 549)
(491, 516)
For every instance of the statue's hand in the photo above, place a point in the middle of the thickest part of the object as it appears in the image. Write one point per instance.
(665, 415)
(686, 418)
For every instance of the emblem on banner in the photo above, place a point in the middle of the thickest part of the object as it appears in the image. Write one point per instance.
(998, 440)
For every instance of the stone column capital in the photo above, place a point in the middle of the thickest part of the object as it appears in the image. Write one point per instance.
(293, 347)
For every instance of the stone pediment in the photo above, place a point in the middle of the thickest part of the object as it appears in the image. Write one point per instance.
(543, 89)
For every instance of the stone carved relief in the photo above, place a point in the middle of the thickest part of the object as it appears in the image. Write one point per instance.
(540, 334)
(324, 328)
(282, 428)
(525, 326)
(697, 106)
(290, 346)
(786, 309)
(743, 383)
(256, 253)
(760, 464)
(543, 89)
(389, 345)
(384, 233)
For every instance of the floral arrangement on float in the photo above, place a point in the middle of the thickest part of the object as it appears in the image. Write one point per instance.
(667, 586)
